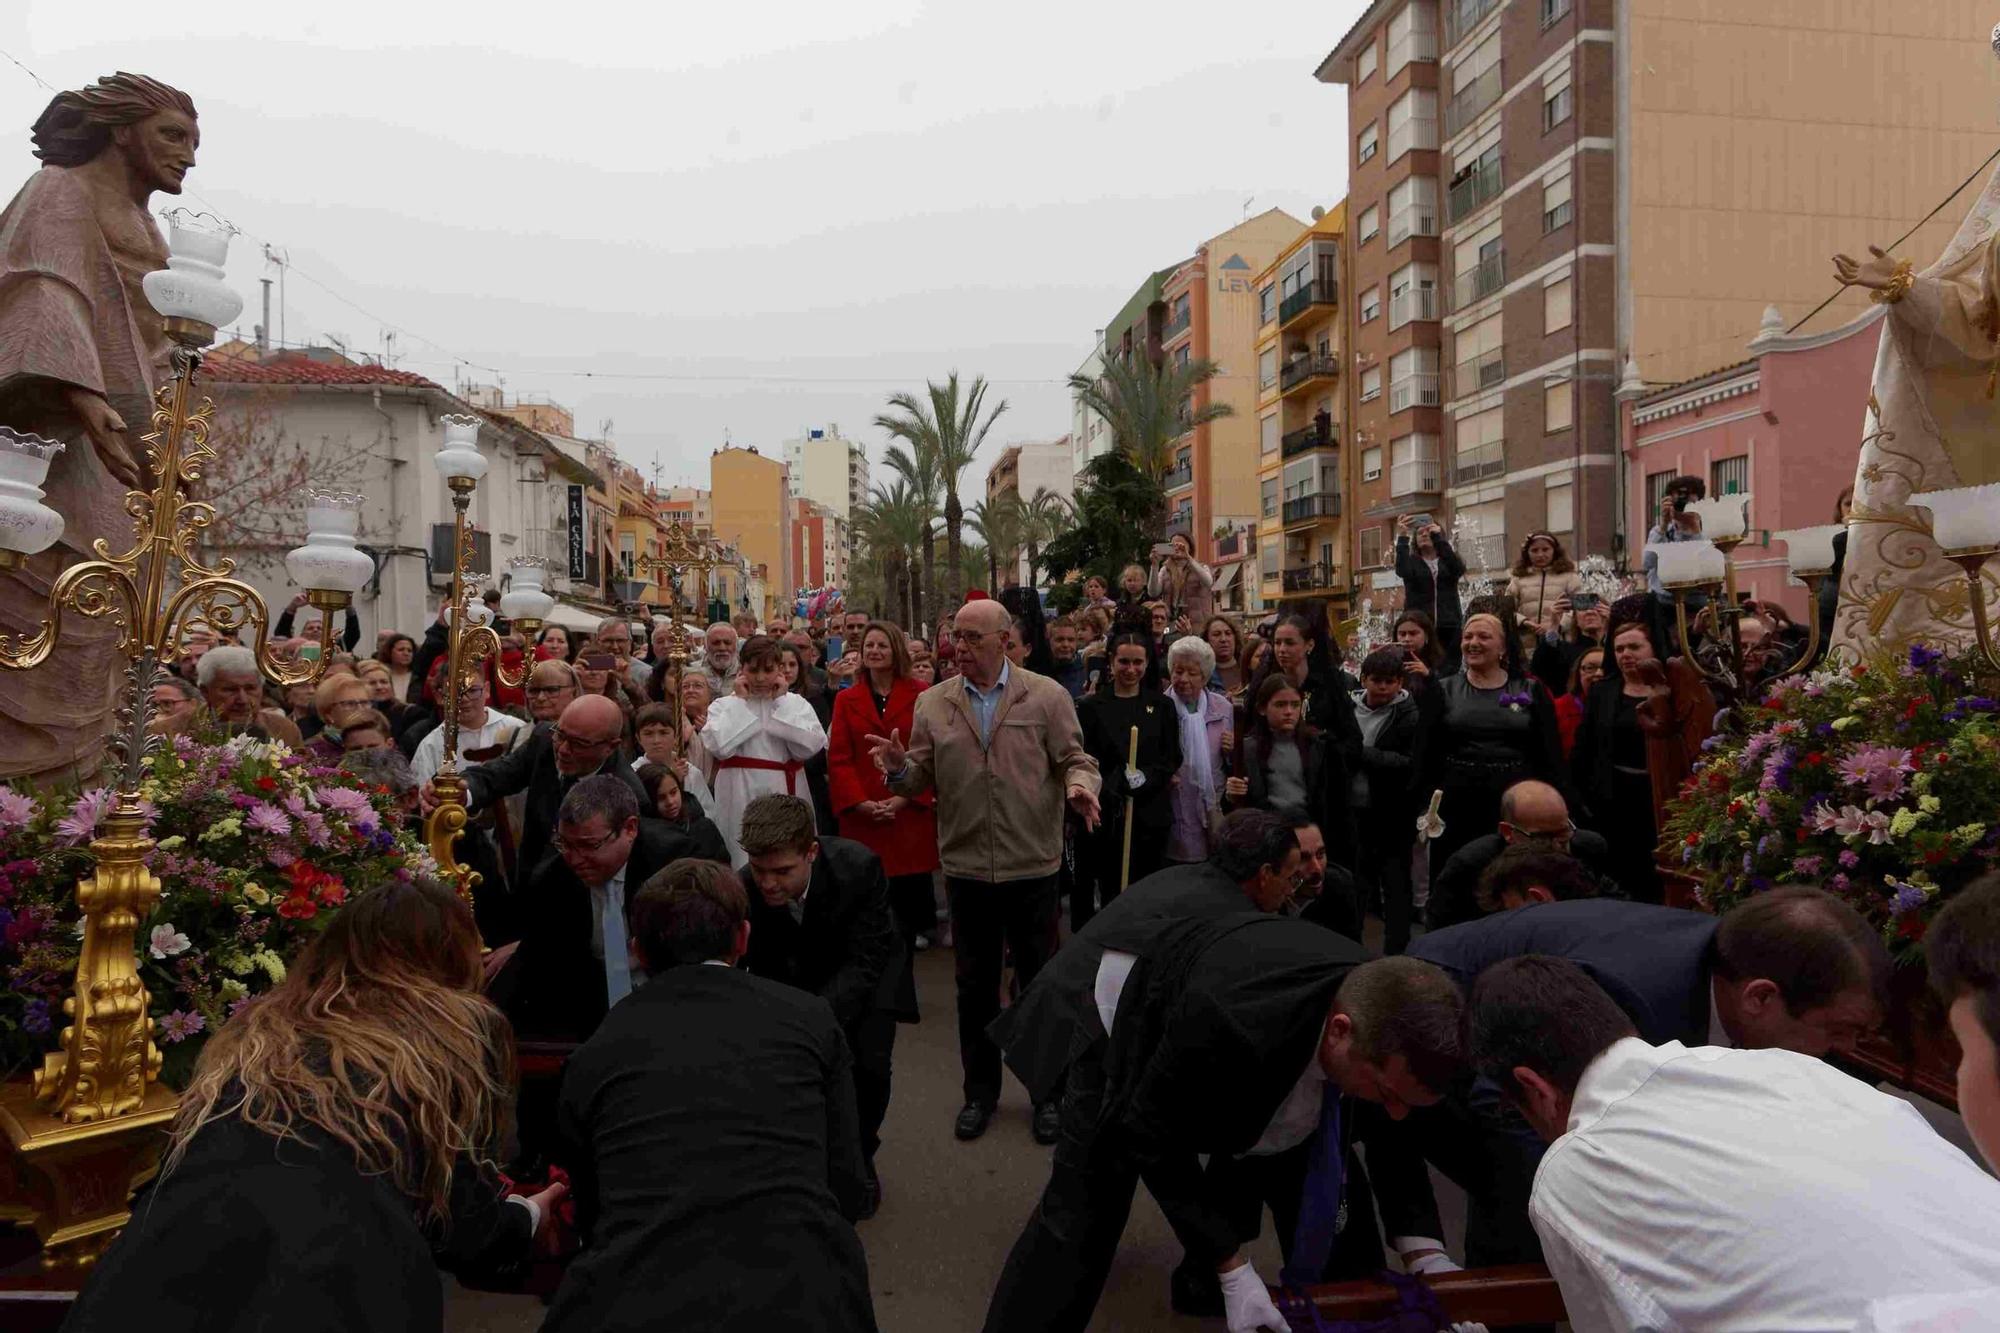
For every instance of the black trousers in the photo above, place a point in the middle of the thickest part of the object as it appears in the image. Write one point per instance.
(871, 1039)
(913, 903)
(989, 921)
(1385, 867)
(1107, 859)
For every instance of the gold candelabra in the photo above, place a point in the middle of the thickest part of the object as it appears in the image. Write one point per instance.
(86, 1127)
(471, 638)
(681, 554)
(1706, 567)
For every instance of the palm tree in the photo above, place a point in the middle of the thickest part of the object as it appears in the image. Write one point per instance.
(948, 430)
(892, 524)
(1001, 523)
(1046, 515)
(1148, 407)
(918, 470)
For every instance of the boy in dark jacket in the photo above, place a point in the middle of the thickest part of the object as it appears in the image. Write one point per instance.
(1384, 797)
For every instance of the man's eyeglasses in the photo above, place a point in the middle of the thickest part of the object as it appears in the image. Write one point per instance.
(581, 846)
(1561, 836)
(971, 638)
(582, 742)
(549, 689)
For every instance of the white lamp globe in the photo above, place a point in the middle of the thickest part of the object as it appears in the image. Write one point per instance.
(524, 599)
(27, 526)
(458, 459)
(1723, 517)
(330, 562)
(1964, 518)
(1810, 550)
(191, 288)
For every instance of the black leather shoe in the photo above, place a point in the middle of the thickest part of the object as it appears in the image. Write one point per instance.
(1194, 1291)
(973, 1119)
(1048, 1122)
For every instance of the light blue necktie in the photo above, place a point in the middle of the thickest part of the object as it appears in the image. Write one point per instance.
(617, 964)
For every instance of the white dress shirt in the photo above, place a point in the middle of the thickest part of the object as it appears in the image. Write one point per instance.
(1717, 1190)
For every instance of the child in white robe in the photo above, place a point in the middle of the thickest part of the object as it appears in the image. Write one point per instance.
(757, 740)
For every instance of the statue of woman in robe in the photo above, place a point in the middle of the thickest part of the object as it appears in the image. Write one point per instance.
(81, 356)
(1933, 422)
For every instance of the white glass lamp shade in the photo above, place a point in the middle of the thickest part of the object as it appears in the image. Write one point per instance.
(476, 612)
(329, 561)
(524, 598)
(1688, 564)
(191, 286)
(1810, 550)
(27, 526)
(1965, 518)
(1723, 516)
(458, 458)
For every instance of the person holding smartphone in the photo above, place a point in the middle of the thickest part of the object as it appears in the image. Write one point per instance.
(1674, 523)
(1182, 582)
(1430, 571)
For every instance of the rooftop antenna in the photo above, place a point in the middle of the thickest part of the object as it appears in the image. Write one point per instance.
(1246, 207)
(283, 259)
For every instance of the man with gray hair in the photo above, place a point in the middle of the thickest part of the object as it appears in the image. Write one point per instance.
(614, 636)
(234, 688)
(718, 660)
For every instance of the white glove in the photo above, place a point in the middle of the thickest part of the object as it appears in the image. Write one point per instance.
(1134, 779)
(1437, 1262)
(1247, 1302)
(1469, 1328)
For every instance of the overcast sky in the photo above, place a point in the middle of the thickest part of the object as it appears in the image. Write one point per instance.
(737, 201)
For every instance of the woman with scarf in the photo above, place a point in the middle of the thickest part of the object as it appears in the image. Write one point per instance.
(1206, 719)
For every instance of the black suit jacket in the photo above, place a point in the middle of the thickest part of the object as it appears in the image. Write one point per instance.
(846, 949)
(531, 767)
(553, 987)
(1654, 961)
(1042, 1032)
(710, 1133)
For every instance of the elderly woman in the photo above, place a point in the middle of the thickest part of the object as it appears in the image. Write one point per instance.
(337, 701)
(1204, 715)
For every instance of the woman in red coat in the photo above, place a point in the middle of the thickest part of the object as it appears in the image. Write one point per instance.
(900, 830)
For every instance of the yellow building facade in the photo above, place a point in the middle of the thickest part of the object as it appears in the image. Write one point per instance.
(750, 497)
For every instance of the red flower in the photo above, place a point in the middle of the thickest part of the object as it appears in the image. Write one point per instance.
(297, 907)
(266, 784)
(1911, 711)
(332, 893)
(1816, 758)
(305, 878)
(1912, 927)
(1694, 839)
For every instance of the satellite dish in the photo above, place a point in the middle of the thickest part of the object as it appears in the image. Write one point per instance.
(1318, 213)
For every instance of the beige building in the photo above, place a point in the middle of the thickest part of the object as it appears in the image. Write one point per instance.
(829, 470)
(750, 496)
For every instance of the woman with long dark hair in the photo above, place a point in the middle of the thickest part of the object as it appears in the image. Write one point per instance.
(900, 830)
(1025, 606)
(1304, 655)
(1494, 726)
(399, 654)
(332, 1150)
(1232, 674)
(1128, 699)
(1643, 725)
(1430, 571)
(555, 643)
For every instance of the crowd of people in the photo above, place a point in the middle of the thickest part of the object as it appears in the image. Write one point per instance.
(1155, 837)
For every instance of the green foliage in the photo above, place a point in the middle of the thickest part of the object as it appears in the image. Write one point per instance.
(1113, 524)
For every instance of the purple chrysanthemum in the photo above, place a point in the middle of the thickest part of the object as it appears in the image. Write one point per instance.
(1908, 898)
(1808, 867)
(269, 819)
(17, 809)
(180, 1025)
(80, 824)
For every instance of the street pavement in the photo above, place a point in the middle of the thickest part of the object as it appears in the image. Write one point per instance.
(950, 1210)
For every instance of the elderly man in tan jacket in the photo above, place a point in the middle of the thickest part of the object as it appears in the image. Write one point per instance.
(1001, 747)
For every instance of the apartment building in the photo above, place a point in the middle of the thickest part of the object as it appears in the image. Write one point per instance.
(1088, 435)
(1393, 308)
(750, 496)
(1302, 548)
(1618, 189)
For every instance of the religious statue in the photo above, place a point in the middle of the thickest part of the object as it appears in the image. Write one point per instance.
(81, 356)
(1933, 422)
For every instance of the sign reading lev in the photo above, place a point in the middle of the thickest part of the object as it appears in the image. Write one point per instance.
(576, 532)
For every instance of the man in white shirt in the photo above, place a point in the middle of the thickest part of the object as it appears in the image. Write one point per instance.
(1703, 1188)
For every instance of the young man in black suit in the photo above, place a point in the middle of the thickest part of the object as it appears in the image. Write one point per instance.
(710, 1135)
(1792, 968)
(820, 922)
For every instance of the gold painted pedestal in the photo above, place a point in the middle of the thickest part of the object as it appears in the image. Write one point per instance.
(72, 1183)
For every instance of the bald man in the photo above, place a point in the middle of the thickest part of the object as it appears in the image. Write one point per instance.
(1531, 812)
(583, 741)
(1001, 747)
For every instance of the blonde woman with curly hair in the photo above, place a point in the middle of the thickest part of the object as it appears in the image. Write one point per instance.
(330, 1154)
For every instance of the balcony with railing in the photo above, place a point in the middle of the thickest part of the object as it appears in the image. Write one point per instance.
(1417, 44)
(1316, 577)
(1414, 220)
(1419, 388)
(1479, 187)
(1177, 325)
(1472, 101)
(1478, 373)
(1231, 544)
(1480, 281)
(1412, 304)
(1462, 16)
(1312, 508)
(1319, 435)
(1179, 524)
(1413, 477)
(1321, 291)
(1176, 478)
(1414, 133)
(1303, 370)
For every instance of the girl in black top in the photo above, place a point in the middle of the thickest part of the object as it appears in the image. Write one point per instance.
(1283, 763)
(1494, 726)
(1128, 697)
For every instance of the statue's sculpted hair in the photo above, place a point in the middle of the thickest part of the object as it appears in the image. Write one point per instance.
(77, 125)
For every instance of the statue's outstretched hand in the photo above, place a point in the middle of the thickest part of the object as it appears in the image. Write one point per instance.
(1874, 272)
(106, 430)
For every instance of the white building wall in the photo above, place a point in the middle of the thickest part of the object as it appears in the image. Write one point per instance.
(820, 470)
(1088, 436)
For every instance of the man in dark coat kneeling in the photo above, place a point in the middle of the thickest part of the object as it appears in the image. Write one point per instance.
(711, 1138)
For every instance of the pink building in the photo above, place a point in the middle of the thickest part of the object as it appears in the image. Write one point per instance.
(1784, 426)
